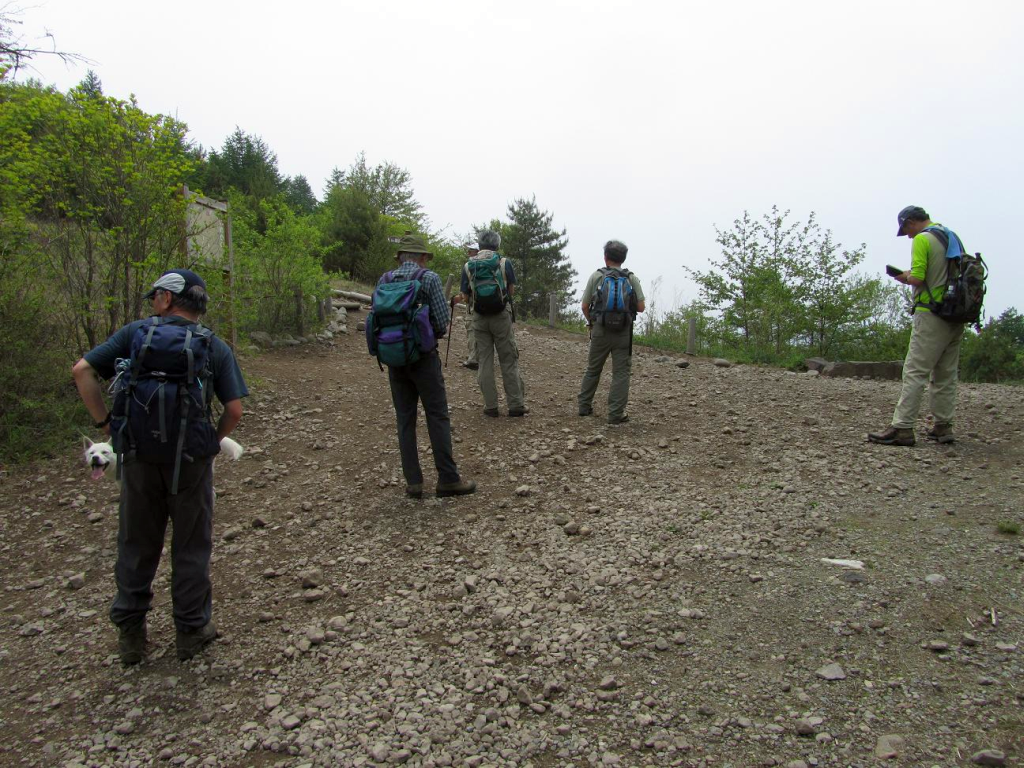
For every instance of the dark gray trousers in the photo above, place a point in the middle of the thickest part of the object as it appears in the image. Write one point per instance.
(423, 381)
(146, 506)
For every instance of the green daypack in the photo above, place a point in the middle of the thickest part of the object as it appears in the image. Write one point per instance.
(487, 281)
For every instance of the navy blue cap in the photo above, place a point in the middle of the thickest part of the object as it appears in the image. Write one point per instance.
(177, 281)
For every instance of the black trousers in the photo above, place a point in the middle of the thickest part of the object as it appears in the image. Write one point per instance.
(423, 381)
(146, 506)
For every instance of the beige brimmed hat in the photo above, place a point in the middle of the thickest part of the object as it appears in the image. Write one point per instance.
(411, 243)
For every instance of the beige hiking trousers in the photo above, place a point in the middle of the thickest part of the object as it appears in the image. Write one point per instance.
(495, 333)
(934, 352)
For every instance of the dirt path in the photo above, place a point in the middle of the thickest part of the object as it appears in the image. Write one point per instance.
(650, 594)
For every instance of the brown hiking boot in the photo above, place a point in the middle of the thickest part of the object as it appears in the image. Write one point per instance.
(191, 643)
(414, 490)
(893, 436)
(461, 488)
(942, 433)
(131, 643)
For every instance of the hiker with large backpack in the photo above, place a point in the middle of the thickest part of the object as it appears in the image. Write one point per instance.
(409, 314)
(166, 370)
(487, 285)
(611, 300)
(948, 290)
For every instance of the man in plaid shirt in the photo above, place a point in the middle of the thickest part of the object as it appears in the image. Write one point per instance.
(423, 381)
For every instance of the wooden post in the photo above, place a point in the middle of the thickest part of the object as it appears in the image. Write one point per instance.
(320, 313)
(298, 312)
(691, 336)
(552, 310)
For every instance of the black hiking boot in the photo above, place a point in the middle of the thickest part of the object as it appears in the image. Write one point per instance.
(131, 643)
(516, 411)
(190, 643)
(893, 436)
(460, 488)
(941, 433)
(492, 412)
(414, 490)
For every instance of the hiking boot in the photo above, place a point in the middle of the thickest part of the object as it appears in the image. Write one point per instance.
(460, 488)
(131, 643)
(492, 412)
(471, 364)
(516, 411)
(942, 433)
(586, 411)
(620, 420)
(414, 490)
(191, 643)
(893, 436)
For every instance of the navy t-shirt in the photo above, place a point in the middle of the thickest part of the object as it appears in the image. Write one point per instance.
(228, 383)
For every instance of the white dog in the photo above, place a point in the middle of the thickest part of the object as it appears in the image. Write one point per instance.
(100, 457)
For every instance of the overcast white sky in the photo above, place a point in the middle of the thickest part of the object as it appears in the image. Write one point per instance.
(647, 122)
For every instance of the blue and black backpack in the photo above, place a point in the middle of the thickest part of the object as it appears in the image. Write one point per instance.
(614, 303)
(162, 396)
(398, 329)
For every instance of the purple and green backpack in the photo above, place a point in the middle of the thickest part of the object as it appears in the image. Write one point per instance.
(398, 329)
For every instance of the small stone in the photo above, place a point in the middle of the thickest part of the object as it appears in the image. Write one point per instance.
(312, 578)
(259, 522)
(989, 757)
(608, 683)
(682, 363)
(888, 746)
(721, 362)
(661, 644)
(77, 581)
(571, 528)
(523, 696)
(523, 490)
(938, 646)
(290, 723)
(379, 752)
(804, 727)
(316, 635)
(936, 579)
(969, 640)
(271, 701)
(124, 728)
(831, 672)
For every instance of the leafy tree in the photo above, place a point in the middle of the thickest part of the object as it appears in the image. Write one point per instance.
(299, 195)
(244, 163)
(389, 189)
(997, 353)
(278, 266)
(354, 235)
(335, 179)
(538, 255)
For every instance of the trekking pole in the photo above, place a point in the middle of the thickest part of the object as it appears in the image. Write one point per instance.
(451, 324)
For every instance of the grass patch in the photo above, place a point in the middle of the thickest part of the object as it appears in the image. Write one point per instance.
(1008, 528)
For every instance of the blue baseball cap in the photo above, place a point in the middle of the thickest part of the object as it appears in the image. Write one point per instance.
(177, 281)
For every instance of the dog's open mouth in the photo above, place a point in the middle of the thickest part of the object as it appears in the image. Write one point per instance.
(98, 469)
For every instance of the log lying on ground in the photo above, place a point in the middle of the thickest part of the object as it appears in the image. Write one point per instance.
(362, 298)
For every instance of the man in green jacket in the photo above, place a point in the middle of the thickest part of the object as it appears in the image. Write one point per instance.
(608, 338)
(934, 343)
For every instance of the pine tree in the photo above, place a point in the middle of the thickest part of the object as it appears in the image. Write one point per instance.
(538, 255)
(299, 195)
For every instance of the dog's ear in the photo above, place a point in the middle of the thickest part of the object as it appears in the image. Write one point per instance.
(86, 442)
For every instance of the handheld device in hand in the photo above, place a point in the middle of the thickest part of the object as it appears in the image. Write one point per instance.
(892, 271)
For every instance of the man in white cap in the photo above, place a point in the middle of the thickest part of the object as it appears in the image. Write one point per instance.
(157, 485)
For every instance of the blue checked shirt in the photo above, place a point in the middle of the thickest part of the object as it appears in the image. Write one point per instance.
(432, 292)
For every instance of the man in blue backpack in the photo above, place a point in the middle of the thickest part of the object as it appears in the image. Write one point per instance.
(611, 300)
(421, 379)
(934, 351)
(167, 471)
(488, 282)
